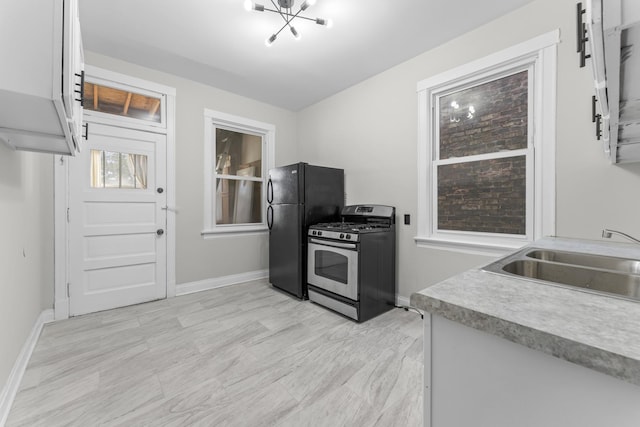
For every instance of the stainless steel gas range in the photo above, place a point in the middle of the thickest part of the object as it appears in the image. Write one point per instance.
(351, 263)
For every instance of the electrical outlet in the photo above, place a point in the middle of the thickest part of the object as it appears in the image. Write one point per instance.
(407, 219)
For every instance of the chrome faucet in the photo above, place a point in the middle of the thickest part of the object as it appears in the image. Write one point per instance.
(606, 234)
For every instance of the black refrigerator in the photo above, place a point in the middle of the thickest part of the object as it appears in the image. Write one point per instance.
(299, 195)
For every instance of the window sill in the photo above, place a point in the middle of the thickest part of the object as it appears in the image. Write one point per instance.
(469, 246)
(234, 231)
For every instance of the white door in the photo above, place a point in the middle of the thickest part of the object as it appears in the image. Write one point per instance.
(117, 240)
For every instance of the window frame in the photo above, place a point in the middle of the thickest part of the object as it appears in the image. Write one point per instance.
(111, 79)
(217, 120)
(539, 56)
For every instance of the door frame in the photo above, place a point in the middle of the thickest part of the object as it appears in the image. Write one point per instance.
(61, 184)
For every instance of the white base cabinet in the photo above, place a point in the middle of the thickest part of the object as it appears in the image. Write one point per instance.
(41, 76)
(473, 378)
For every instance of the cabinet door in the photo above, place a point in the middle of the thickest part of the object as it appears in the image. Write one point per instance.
(72, 67)
(40, 40)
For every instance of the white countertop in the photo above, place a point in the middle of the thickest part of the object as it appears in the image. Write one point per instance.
(592, 330)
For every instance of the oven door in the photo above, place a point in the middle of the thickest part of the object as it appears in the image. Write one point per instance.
(333, 266)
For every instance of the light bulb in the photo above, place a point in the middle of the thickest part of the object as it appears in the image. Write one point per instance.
(326, 22)
(307, 3)
(268, 42)
(249, 6)
(296, 35)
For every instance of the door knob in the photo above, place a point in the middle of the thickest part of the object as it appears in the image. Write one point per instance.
(160, 232)
(160, 190)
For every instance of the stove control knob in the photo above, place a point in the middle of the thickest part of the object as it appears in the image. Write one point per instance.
(319, 233)
(349, 236)
(342, 235)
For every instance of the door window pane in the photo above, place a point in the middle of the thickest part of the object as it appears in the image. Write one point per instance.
(118, 170)
(111, 169)
(127, 172)
(486, 118)
(484, 196)
(238, 201)
(120, 102)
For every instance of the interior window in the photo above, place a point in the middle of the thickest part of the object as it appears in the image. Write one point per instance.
(486, 151)
(238, 153)
(488, 193)
(120, 102)
(238, 171)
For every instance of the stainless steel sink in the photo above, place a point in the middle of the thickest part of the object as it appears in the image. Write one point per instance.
(618, 277)
(587, 260)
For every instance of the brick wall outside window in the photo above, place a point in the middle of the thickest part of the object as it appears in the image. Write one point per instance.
(499, 122)
(486, 195)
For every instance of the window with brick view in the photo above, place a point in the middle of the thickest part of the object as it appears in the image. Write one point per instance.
(486, 151)
(480, 164)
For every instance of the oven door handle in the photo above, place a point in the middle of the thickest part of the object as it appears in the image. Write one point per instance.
(334, 244)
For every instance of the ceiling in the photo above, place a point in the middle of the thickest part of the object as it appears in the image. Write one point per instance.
(218, 43)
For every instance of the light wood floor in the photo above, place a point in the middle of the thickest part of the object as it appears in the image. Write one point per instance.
(244, 355)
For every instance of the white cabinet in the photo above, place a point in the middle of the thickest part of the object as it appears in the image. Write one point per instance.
(473, 378)
(613, 33)
(41, 76)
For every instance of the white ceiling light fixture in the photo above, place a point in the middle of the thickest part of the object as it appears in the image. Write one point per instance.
(284, 8)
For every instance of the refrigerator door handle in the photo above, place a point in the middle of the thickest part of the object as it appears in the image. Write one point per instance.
(269, 191)
(270, 217)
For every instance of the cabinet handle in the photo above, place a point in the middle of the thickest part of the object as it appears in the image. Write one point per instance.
(81, 91)
(596, 118)
(86, 131)
(581, 33)
(580, 11)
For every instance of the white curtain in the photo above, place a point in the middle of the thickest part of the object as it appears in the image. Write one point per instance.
(97, 174)
(138, 163)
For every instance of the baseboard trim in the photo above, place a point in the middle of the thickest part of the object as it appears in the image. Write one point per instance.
(12, 385)
(402, 301)
(61, 308)
(219, 282)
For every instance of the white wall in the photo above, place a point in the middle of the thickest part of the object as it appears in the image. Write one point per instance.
(197, 258)
(26, 248)
(370, 130)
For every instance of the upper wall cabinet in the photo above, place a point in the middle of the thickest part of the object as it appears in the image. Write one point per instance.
(41, 78)
(611, 32)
